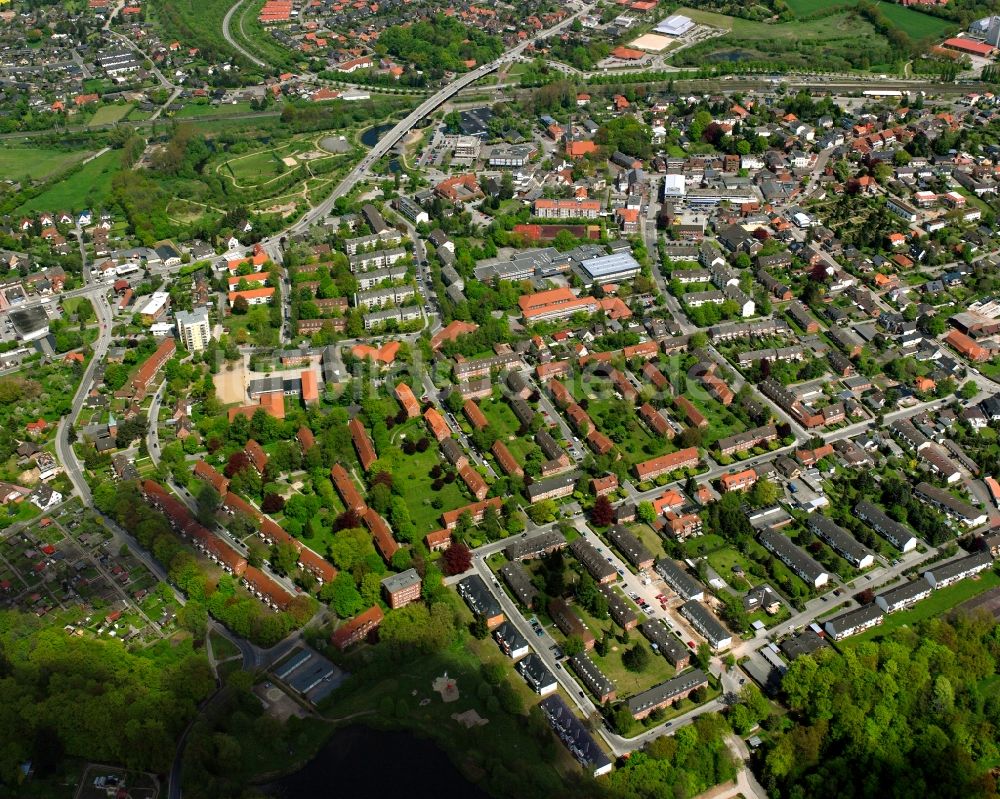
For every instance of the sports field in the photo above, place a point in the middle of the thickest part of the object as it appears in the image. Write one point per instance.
(18, 163)
(84, 189)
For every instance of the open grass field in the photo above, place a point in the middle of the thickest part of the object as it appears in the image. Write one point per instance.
(193, 110)
(914, 23)
(937, 603)
(503, 421)
(803, 8)
(835, 26)
(109, 114)
(18, 163)
(413, 472)
(84, 189)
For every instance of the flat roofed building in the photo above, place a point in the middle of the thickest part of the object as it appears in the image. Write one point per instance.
(401, 589)
(659, 696)
(610, 268)
(193, 329)
(704, 621)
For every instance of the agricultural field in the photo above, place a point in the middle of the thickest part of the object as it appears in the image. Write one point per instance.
(21, 163)
(86, 188)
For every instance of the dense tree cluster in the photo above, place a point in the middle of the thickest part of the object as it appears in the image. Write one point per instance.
(913, 715)
(63, 696)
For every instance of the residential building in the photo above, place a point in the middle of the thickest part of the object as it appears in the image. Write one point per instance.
(193, 329)
(952, 507)
(631, 547)
(854, 622)
(535, 546)
(704, 621)
(602, 688)
(536, 675)
(678, 579)
(592, 560)
(574, 735)
(843, 543)
(944, 574)
(357, 629)
(480, 600)
(401, 589)
(793, 556)
(664, 694)
(658, 634)
(511, 642)
(902, 596)
(570, 624)
(519, 582)
(892, 531)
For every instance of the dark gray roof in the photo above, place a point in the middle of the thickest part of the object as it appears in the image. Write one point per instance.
(678, 579)
(705, 622)
(666, 691)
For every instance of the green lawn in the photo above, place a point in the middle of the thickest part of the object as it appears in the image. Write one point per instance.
(650, 539)
(723, 560)
(86, 188)
(108, 114)
(19, 163)
(936, 604)
(222, 647)
(503, 421)
(413, 471)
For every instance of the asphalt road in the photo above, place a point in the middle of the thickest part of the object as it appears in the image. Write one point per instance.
(226, 20)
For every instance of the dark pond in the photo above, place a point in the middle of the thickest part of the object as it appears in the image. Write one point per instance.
(371, 136)
(358, 761)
